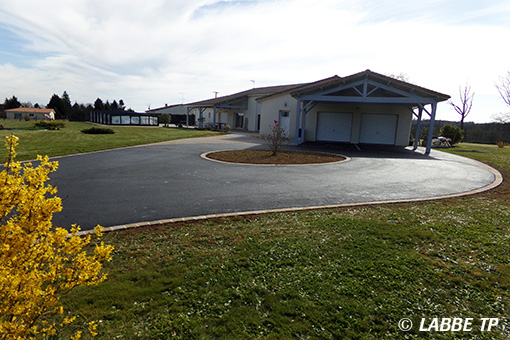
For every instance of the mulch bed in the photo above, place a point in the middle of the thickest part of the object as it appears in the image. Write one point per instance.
(281, 158)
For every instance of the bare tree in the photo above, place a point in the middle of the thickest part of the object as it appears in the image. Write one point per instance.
(504, 91)
(466, 103)
(401, 76)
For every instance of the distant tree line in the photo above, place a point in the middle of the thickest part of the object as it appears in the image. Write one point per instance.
(486, 133)
(64, 109)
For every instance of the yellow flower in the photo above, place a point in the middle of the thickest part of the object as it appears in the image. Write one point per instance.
(38, 262)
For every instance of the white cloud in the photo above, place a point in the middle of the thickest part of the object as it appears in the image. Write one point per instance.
(158, 51)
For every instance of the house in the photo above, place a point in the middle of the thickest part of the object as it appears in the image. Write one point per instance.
(30, 113)
(239, 111)
(363, 108)
(120, 117)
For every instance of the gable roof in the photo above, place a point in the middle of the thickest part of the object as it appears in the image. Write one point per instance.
(397, 84)
(30, 110)
(301, 87)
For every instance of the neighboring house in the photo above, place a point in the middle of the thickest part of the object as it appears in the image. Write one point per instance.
(364, 108)
(120, 117)
(30, 113)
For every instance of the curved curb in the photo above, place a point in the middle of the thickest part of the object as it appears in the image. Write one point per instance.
(498, 179)
(346, 159)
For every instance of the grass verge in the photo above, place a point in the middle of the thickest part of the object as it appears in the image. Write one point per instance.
(70, 140)
(348, 273)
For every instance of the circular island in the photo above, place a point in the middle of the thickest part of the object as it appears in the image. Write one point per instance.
(265, 157)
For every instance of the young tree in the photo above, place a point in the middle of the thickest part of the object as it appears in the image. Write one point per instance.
(39, 263)
(466, 103)
(503, 87)
(276, 138)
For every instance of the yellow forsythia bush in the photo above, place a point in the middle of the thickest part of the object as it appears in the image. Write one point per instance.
(39, 263)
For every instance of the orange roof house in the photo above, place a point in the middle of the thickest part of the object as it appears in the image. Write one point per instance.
(30, 113)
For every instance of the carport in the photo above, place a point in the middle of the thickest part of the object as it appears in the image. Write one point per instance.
(376, 97)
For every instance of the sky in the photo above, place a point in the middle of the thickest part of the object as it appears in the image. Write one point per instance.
(157, 52)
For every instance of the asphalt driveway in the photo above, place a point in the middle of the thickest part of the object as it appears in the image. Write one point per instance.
(171, 180)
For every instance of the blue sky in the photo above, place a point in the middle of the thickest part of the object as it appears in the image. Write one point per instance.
(160, 52)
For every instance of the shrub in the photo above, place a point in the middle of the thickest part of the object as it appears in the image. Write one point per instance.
(39, 263)
(453, 132)
(49, 124)
(165, 119)
(501, 144)
(98, 131)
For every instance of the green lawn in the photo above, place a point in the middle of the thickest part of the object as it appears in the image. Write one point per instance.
(70, 140)
(348, 273)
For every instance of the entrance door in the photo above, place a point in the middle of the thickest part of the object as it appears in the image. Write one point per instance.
(378, 129)
(334, 127)
(239, 120)
(285, 121)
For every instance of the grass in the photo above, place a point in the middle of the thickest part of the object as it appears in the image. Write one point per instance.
(70, 140)
(348, 273)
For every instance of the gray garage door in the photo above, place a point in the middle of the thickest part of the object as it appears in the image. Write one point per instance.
(378, 129)
(334, 127)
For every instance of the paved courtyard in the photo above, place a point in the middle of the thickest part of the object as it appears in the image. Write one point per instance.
(170, 180)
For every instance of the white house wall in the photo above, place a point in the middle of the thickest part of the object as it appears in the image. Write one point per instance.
(251, 114)
(270, 111)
